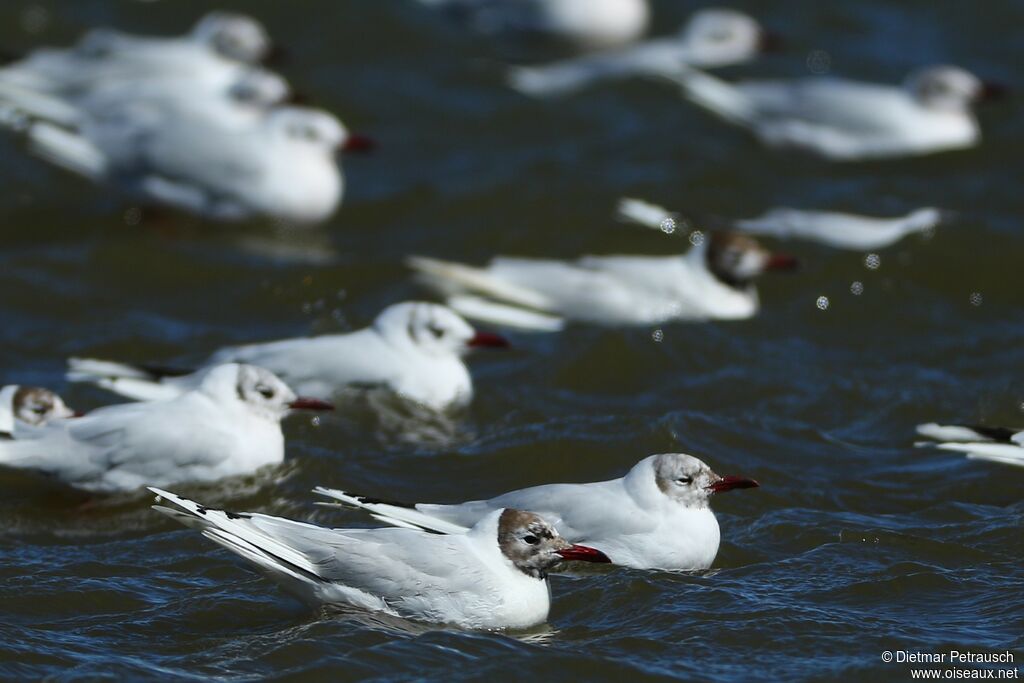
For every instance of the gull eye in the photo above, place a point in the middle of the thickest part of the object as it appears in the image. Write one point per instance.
(265, 391)
(719, 36)
(531, 539)
(39, 410)
(438, 332)
(685, 481)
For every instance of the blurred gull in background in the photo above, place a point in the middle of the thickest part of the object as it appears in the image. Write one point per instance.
(492, 577)
(711, 38)
(996, 444)
(847, 120)
(26, 407)
(655, 517)
(840, 230)
(714, 280)
(230, 424)
(415, 349)
(187, 122)
(587, 24)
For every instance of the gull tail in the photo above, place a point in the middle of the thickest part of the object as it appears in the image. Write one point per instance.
(138, 382)
(645, 213)
(389, 512)
(924, 219)
(257, 538)
(714, 94)
(477, 294)
(66, 149)
(1006, 454)
(968, 433)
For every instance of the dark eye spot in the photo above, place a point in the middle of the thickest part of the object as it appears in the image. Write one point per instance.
(684, 480)
(436, 331)
(531, 539)
(39, 410)
(265, 391)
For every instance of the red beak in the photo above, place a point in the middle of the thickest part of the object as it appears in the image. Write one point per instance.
(781, 262)
(729, 483)
(306, 403)
(582, 553)
(489, 340)
(769, 41)
(358, 143)
(992, 91)
(77, 413)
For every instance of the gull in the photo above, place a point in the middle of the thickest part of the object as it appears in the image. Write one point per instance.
(979, 442)
(655, 517)
(229, 425)
(492, 577)
(22, 407)
(206, 156)
(713, 280)
(713, 37)
(846, 120)
(413, 348)
(219, 42)
(835, 229)
(588, 24)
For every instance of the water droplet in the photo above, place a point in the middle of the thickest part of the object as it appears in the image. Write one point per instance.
(696, 237)
(668, 225)
(856, 287)
(819, 62)
(976, 299)
(822, 303)
(315, 421)
(658, 335)
(872, 261)
(133, 216)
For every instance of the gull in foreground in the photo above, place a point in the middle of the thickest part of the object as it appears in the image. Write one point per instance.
(997, 444)
(492, 577)
(585, 23)
(229, 425)
(415, 349)
(656, 517)
(712, 37)
(26, 407)
(840, 230)
(847, 120)
(713, 280)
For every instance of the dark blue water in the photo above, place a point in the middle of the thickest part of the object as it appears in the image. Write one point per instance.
(857, 543)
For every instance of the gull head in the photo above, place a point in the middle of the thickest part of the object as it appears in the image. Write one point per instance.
(736, 259)
(312, 128)
(258, 390)
(718, 37)
(533, 545)
(949, 88)
(690, 482)
(259, 88)
(36, 406)
(432, 329)
(233, 36)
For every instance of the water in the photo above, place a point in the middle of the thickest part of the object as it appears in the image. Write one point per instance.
(857, 543)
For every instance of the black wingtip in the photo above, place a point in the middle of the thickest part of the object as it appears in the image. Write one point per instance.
(1000, 434)
(160, 371)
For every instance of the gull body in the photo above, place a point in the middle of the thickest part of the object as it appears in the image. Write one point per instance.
(835, 229)
(712, 38)
(587, 24)
(415, 349)
(714, 280)
(492, 577)
(979, 442)
(230, 424)
(208, 156)
(24, 408)
(842, 119)
(655, 517)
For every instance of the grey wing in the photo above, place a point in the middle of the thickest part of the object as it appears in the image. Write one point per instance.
(829, 102)
(580, 511)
